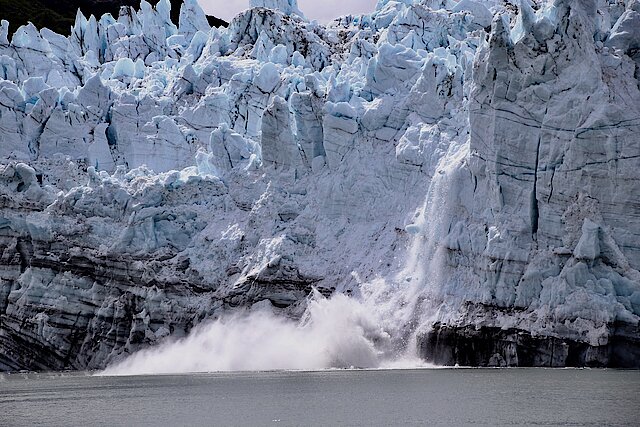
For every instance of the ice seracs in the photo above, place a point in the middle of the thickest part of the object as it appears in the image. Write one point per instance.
(465, 170)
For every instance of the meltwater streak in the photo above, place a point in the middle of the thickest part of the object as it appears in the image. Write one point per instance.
(375, 330)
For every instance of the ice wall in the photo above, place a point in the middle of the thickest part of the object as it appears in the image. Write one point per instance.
(452, 166)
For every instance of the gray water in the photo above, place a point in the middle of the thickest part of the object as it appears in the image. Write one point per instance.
(447, 397)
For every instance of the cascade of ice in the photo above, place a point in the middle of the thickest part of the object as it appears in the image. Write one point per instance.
(404, 304)
(375, 329)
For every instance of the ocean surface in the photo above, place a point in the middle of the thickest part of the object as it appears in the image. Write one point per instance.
(446, 397)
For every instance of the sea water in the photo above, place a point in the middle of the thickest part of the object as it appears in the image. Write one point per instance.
(446, 397)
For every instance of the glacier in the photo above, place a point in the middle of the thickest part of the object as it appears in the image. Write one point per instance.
(438, 181)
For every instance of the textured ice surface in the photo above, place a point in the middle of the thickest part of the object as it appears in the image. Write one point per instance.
(472, 163)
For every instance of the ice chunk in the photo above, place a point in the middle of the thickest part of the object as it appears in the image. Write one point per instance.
(197, 46)
(524, 23)
(28, 37)
(98, 153)
(31, 87)
(84, 35)
(139, 69)
(298, 60)
(393, 68)
(262, 47)
(192, 20)
(4, 32)
(27, 174)
(307, 108)
(279, 55)
(625, 34)
(205, 164)
(279, 148)
(482, 16)
(231, 150)
(340, 128)
(383, 3)
(588, 248)
(163, 9)
(288, 7)
(268, 77)
(125, 67)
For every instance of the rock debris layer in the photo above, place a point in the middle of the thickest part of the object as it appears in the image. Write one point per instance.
(485, 152)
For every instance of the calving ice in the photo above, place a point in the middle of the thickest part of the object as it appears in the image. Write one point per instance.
(435, 182)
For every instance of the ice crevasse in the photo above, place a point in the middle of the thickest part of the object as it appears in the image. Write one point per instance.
(466, 171)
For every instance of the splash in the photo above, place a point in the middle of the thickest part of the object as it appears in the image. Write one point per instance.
(337, 332)
(377, 329)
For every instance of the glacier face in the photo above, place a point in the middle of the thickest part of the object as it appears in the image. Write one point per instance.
(468, 170)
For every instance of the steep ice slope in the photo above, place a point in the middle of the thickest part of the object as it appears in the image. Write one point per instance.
(467, 170)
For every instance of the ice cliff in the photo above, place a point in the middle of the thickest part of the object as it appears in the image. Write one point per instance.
(470, 171)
